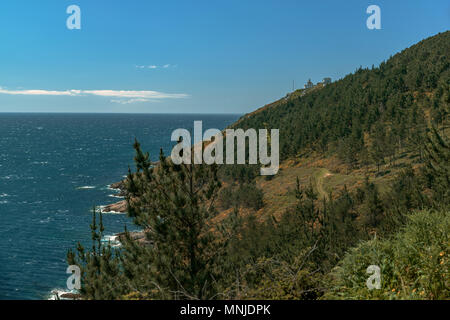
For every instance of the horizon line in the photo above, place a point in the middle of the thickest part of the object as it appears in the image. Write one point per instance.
(75, 112)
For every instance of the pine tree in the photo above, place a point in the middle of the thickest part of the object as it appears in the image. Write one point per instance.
(99, 266)
(437, 166)
(174, 204)
(372, 206)
(377, 150)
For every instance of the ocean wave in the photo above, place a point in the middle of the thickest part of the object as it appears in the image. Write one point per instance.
(85, 187)
(108, 187)
(113, 240)
(40, 162)
(101, 209)
(116, 191)
(46, 220)
(116, 196)
(4, 195)
(113, 212)
(10, 177)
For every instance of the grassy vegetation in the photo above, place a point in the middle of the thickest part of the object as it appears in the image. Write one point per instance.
(414, 262)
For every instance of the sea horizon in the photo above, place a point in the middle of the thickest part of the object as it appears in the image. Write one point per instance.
(125, 113)
(54, 167)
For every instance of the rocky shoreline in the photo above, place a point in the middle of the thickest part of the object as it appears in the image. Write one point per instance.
(120, 206)
(138, 236)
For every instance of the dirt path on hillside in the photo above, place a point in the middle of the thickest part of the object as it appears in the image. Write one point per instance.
(319, 182)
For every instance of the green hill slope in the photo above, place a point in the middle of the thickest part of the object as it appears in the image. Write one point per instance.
(372, 123)
(388, 104)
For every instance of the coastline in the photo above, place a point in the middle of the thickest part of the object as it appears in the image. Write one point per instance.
(119, 207)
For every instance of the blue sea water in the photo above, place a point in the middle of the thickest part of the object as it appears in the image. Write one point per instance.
(53, 169)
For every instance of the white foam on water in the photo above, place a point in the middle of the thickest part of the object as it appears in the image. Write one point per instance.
(46, 220)
(85, 187)
(10, 177)
(113, 240)
(112, 212)
(101, 209)
(116, 196)
(40, 162)
(4, 195)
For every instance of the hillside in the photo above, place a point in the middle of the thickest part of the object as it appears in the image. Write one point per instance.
(396, 94)
(369, 124)
(365, 173)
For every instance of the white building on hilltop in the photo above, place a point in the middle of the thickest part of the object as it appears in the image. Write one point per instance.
(309, 84)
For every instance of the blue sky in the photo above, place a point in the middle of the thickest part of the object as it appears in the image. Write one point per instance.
(192, 56)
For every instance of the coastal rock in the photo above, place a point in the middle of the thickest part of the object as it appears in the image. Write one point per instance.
(118, 207)
(70, 296)
(138, 236)
(121, 187)
(118, 185)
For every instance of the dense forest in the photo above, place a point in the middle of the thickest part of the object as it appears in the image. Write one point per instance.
(212, 232)
(392, 104)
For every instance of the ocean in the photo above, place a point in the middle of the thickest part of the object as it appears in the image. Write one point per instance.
(53, 169)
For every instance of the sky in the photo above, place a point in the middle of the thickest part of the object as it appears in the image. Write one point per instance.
(211, 56)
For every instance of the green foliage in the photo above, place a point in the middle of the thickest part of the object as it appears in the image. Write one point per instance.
(414, 263)
(437, 166)
(388, 103)
(244, 173)
(269, 278)
(371, 207)
(99, 269)
(371, 116)
(174, 205)
(286, 258)
(246, 195)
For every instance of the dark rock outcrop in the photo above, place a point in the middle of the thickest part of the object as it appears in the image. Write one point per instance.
(69, 296)
(138, 236)
(121, 187)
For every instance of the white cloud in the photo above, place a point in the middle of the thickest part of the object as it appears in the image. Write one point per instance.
(135, 94)
(130, 101)
(41, 92)
(165, 66)
(122, 94)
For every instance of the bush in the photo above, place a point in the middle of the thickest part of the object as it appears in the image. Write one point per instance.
(270, 279)
(244, 195)
(414, 263)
